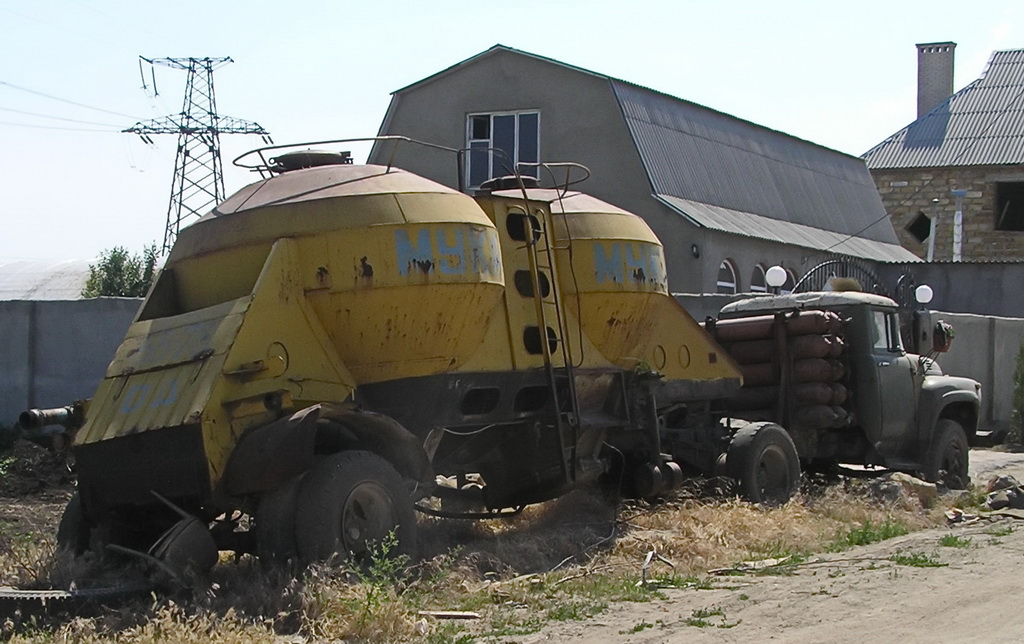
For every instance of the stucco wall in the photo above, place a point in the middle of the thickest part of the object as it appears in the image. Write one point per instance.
(965, 287)
(985, 348)
(580, 121)
(907, 192)
(55, 352)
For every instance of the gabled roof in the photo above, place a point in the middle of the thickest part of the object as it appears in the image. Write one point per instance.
(982, 124)
(490, 52)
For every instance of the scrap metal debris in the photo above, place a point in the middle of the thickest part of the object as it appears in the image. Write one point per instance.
(1004, 492)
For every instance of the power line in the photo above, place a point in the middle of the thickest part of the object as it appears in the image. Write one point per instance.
(64, 100)
(57, 127)
(56, 118)
(198, 182)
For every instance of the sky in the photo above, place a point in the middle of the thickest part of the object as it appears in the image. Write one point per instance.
(842, 75)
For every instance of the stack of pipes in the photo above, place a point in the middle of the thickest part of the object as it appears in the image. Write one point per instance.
(793, 368)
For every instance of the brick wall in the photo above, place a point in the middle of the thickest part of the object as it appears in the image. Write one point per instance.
(907, 192)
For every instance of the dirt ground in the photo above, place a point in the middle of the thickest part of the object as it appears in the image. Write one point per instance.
(860, 595)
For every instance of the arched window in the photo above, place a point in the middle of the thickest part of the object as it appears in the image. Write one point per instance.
(727, 282)
(787, 288)
(757, 282)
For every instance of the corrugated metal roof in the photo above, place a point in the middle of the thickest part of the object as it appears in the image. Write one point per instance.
(982, 124)
(701, 155)
(34, 280)
(752, 225)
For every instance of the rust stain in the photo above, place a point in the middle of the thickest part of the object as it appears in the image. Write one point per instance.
(365, 269)
(323, 277)
(422, 265)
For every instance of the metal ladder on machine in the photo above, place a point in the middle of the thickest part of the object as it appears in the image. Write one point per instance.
(567, 419)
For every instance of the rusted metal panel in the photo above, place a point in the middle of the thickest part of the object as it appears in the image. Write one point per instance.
(127, 404)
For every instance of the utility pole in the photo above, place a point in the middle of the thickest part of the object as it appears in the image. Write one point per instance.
(198, 182)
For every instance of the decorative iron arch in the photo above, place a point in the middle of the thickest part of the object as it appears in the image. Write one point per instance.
(820, 277)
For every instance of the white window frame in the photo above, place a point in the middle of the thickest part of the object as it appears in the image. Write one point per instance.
(490, 142)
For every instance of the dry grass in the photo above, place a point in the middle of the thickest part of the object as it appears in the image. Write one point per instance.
(566, 559)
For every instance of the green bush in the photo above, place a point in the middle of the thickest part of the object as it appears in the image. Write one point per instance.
(119, 273)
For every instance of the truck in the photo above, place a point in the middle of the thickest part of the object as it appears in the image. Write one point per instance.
(831, 367)
(336, 347)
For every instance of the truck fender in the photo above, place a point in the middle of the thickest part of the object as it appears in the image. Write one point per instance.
(268, 456)
(935, 403)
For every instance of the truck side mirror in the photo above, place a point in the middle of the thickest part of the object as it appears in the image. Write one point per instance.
(942, 336)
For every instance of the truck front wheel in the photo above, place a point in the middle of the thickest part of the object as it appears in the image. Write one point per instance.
(350, 502)
(947, 459)
(764, 461)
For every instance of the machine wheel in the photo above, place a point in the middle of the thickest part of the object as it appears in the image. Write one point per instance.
(764, 461)
(73, 530)
(947, 459)
(275, 522)
(349, 502)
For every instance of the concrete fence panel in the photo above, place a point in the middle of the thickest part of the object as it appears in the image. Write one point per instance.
(56, 352)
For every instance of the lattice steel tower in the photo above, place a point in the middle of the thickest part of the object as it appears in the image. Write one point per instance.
(198, 182)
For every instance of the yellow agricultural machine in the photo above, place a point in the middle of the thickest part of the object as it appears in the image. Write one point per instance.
(338, 345)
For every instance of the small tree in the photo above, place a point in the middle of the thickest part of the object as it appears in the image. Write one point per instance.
(119, 273)
(1017, 415)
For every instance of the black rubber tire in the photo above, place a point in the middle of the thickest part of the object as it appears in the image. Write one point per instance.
(73, 530)
(275, 522)
(349, 501)
(763, 460)
(947, 461)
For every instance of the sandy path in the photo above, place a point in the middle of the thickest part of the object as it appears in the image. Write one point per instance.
(856, 596)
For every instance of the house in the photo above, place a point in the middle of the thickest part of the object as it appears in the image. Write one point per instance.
(728, 198)
(958, 167)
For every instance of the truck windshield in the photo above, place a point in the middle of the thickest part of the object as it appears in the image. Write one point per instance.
(885, 332)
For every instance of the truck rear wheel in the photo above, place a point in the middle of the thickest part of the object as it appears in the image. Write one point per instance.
(947, 459)
(348, 503)
(764, 461)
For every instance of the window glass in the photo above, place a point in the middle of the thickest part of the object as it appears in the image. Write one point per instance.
(727, 277)
(504, 144)
(885, 332)
(1010, 205)
(879, 331)
(480, 127)
(529, 142)
(757, 282)
(479, 171)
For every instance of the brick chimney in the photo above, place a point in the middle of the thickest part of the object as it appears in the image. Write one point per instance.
(934, 75)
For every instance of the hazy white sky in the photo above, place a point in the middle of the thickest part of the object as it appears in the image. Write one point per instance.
(839, 74)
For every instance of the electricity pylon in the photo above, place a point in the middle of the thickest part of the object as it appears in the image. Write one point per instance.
(198, 182)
